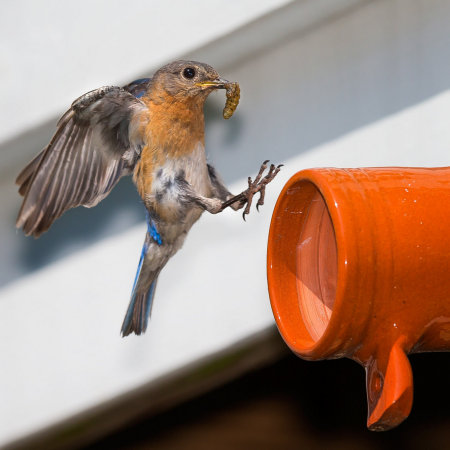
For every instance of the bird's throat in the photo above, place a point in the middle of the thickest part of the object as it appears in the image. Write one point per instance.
(175, 126)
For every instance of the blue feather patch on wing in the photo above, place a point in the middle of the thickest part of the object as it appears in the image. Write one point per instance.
(138, 87)
(139, 94)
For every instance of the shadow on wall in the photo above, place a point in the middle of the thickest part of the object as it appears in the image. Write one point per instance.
(82, 226)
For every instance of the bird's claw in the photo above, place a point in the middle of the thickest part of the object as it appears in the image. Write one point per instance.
(259, 185)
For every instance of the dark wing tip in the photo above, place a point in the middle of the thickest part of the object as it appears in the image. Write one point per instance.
(32, 220)
(24, 178)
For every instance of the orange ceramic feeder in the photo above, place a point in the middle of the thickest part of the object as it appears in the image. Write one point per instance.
(359, 266)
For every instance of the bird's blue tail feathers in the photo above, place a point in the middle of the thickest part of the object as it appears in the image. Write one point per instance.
(140, 307)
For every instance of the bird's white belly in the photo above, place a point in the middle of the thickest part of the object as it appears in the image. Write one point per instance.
(166, 195)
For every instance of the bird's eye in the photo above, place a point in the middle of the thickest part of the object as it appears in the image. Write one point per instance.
(189, 72)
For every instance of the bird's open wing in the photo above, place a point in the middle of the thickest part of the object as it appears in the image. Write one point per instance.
(96, 142)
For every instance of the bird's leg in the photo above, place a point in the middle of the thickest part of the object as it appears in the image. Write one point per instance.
(188, 195)
(254, 186)
(222, 198)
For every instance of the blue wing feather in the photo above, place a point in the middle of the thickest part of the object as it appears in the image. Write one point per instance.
(138, 87)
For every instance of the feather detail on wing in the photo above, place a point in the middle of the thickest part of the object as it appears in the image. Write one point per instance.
(138, 87)
(86, 157)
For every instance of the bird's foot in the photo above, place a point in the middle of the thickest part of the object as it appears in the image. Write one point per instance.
(259, 184)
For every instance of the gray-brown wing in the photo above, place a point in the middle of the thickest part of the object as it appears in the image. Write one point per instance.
(94, 145)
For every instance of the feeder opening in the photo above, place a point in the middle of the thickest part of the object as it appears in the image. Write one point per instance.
(316, 267)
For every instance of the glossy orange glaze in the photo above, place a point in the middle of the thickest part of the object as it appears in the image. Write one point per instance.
(359, 266)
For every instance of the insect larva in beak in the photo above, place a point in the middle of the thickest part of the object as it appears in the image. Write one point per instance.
(233, 95)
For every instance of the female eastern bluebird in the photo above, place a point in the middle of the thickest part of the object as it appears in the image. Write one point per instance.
(155, 129)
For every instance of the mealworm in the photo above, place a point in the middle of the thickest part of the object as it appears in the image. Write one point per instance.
(233, 95)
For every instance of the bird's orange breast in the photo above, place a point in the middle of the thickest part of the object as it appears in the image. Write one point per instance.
(172, 129)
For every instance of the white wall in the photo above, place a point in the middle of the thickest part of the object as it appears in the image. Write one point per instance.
(51, 51)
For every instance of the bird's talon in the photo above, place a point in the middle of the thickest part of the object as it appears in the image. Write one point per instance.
(254, 186)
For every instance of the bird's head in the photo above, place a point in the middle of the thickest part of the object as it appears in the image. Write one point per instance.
(188, 79)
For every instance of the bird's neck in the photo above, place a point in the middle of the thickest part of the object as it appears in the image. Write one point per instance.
(176, 126)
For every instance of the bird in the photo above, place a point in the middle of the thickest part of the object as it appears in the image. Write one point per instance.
(152, 129)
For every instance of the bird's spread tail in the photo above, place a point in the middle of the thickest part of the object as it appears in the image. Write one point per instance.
(139, 309)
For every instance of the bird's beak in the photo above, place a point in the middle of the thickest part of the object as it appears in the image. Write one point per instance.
(219, 83)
